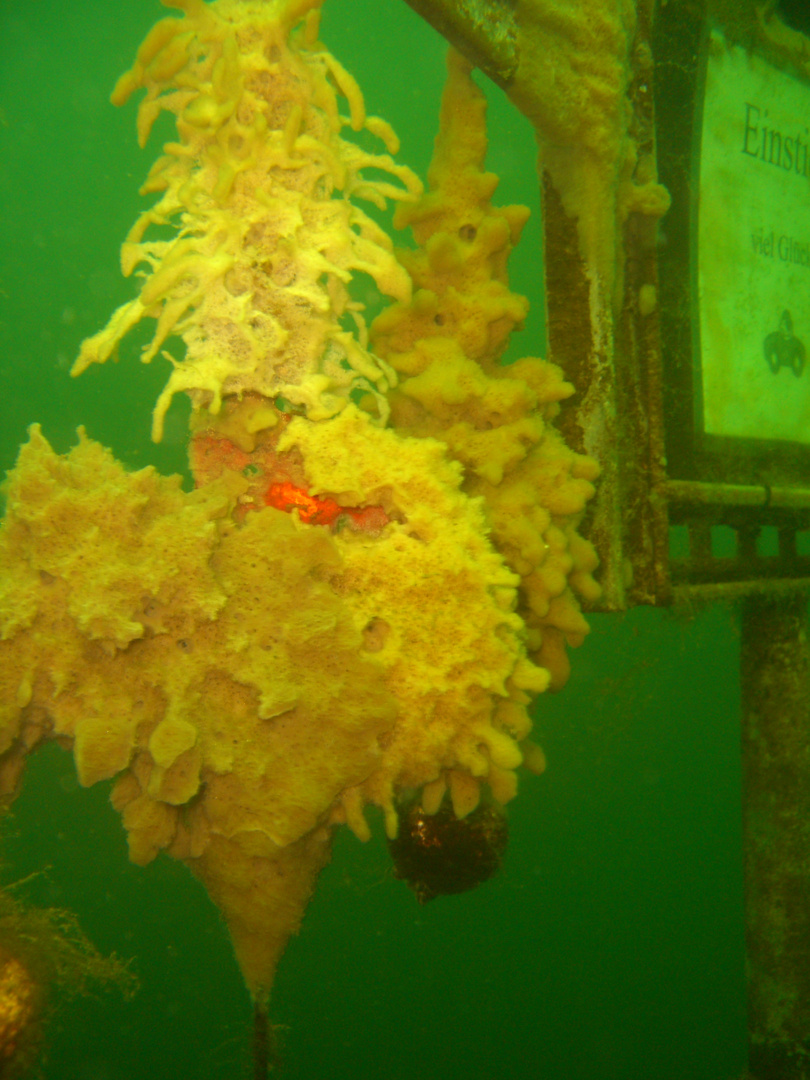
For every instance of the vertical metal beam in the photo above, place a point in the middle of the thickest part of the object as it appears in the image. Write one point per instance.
(580, 340)
(775, 684)
(605, 336)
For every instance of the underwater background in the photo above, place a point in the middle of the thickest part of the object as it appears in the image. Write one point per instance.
(611, 945)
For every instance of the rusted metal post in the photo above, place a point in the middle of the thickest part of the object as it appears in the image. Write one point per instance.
(483, 30)
(775, 684)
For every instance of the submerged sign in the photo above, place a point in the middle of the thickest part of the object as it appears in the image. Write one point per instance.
(754, 249)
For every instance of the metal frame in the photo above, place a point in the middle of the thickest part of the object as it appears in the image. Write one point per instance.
(634, 412)
(637, 416)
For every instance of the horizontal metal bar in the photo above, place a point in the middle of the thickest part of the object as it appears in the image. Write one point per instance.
(694, 493)
(684, 596)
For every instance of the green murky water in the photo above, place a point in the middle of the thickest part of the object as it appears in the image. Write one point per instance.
(611, 947)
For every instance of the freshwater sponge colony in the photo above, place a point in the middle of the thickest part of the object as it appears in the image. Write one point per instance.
(255, 278)
(446, 345)
(343, 611)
